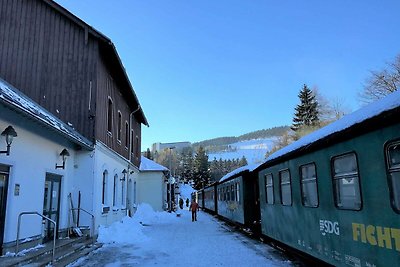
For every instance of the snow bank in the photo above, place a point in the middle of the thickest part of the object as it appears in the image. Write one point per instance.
(126, 231)
(130, 230)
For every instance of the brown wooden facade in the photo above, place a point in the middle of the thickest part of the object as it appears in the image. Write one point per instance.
(71, 70)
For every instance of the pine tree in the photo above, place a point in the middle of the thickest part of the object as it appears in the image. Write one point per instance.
(201, 169)
(307, 111)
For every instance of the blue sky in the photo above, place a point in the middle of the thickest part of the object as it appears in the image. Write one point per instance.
(206, 69)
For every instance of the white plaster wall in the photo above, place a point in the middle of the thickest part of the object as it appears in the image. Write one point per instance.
(106, 159)
(150, 189)
(32, 156)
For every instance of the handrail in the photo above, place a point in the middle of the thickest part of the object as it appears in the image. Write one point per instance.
(93, 221)
(44, 217)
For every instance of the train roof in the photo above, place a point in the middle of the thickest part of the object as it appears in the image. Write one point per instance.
(377, 114)
(247, 168)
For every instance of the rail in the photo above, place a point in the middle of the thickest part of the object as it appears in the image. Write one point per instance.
(93, 221)
(43, 217)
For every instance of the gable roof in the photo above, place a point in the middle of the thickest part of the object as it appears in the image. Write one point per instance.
(147, 165)
(17, 101)
(108, 49)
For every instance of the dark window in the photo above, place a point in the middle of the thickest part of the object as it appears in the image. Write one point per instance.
(232, 192)
(393, 160)
(346, 182)
(126, 134)
(137, 152)
(309, 188)
(132, 146)
(286, 188)
(104, 193)
(115, 190)
(109, 115)
(119, 132)
(269, 188)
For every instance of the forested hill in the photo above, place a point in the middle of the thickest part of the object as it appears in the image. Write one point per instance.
(224, 141)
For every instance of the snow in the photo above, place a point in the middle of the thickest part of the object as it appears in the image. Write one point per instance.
(249, 168)
(185, 191)
(17, 99)
(374, 109)
(149, 165)
(253, 150)
(160, 238)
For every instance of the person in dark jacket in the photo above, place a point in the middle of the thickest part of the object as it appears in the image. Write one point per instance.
(194, 207)
(187, 202)
(181, 203)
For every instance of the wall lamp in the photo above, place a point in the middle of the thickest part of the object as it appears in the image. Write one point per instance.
(64, 155)
(124, 172)
(9, 133)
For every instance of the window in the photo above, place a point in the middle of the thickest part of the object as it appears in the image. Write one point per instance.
(286, 188)
(309, 189)
(123, 192)
(104, 193)
(237, 192)
(137, 152)
(126, 135)
(393, 163)
(232, 192)
(119, 132)
(132, 146)
(109, 115)
(228, 194)
(346, 182)
(115, 190)
(269, 188)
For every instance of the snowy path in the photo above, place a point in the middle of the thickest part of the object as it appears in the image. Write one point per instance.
(177, 241)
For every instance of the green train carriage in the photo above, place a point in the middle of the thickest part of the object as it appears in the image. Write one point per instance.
(335, 194)
(237, 198)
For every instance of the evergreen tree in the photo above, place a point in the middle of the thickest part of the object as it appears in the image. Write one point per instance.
(148, 154)
(201, 169)
(307, 111)
(243, 162)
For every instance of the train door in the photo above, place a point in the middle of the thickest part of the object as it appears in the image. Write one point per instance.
(257, 211)
(51, 203)
(4, 175)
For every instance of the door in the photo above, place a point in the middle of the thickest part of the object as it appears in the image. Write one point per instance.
(4, 174)
(51, 204)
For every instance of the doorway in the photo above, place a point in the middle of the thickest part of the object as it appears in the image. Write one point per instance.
(4, 175)
(51, 204)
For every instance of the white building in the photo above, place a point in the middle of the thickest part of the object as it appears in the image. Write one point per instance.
(152, 184)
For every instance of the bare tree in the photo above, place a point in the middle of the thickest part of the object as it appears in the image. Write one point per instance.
(382, 83)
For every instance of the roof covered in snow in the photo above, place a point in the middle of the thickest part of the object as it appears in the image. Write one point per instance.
(239, 170)
(150, 166)
(17, 101)
(374, 109)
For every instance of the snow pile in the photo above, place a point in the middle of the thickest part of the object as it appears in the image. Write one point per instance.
(145, 215)
(250, 167)
(130, 230)
(126, 231)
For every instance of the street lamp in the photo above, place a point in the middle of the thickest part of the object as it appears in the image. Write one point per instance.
(9, 133)
(171, 179)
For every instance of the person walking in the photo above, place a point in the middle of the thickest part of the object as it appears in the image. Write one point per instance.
(194, 207)
(187, 202)
(181, 203)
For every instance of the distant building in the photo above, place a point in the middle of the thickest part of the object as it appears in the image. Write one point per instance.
(178, 146)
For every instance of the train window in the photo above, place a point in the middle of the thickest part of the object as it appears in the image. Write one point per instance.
(286, 188)
(232, 193)
(269, 188)
(228, 194)
(393, 159)
(346, 182)
(309, 188)
(237, 192)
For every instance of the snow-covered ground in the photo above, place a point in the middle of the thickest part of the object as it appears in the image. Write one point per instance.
(164, 239)
(253, 150)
